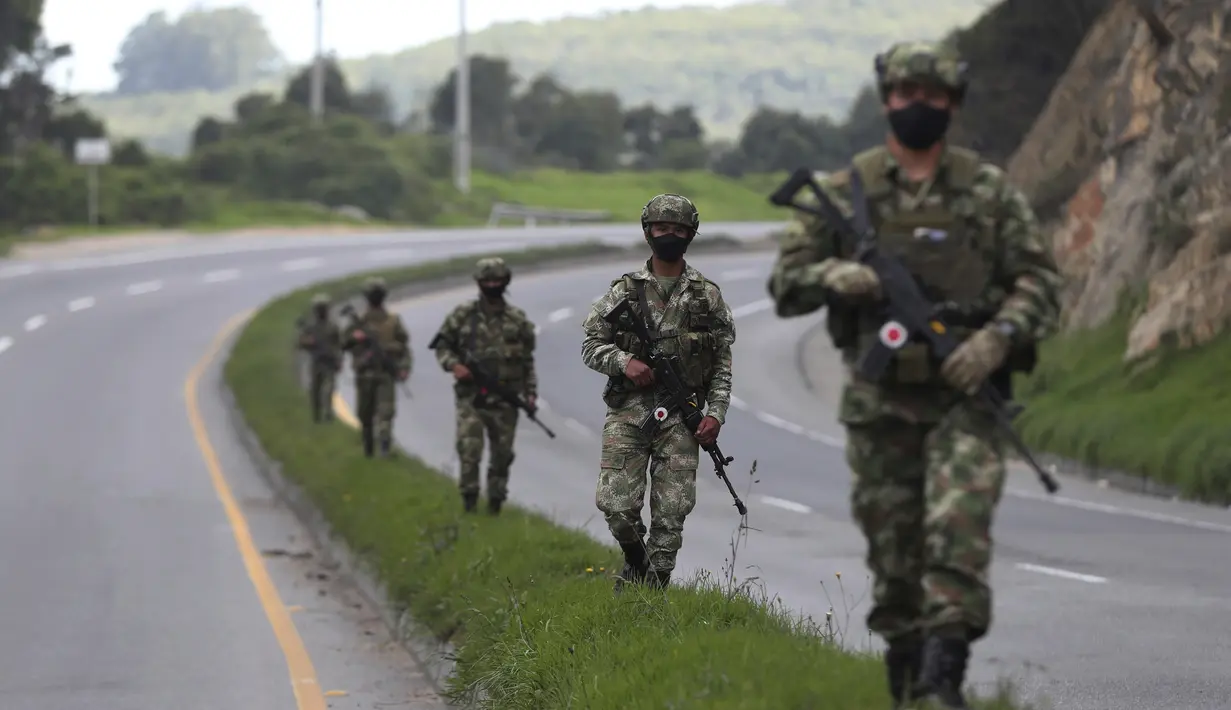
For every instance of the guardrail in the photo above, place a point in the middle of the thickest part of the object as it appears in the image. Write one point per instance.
(532, 216)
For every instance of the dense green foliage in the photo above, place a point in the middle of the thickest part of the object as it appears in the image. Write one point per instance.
(528, 603)
(1165, 418)
(809, 56)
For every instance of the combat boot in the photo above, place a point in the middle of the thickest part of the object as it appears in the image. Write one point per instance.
(903, 660)
(659, 579)
(493, 506)
(636, 565)
(470, 501)
(944, 671)
(368, 443)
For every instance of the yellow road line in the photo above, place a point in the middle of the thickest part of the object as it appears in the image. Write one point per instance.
(308, 695)
(342, 411)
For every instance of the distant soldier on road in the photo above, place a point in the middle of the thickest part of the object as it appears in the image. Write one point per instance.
(687, 315)
(929, 466)
(322, 340)
(380, 356)
(500, 338)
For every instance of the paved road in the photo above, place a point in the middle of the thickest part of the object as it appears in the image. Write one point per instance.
(1105, 600)
(124, 586)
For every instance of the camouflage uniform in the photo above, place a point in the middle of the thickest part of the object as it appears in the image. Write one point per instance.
(375, 394)
(500, 337)
(321, 338)
(929, 468)
(694, 321)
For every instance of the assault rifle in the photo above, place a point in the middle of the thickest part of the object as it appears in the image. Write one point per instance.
(909, 315)
(317, 349)
(378, 353)
(489, 383)
(673, 393)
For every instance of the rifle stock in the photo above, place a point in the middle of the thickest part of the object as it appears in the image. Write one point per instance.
(910, 314)
(666, 375)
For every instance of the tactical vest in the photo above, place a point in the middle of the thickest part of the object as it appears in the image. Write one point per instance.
(694, 342)
(505, 355)
(946, 246)
(384, 326)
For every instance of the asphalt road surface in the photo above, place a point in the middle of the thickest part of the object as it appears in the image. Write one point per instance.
(133, 568)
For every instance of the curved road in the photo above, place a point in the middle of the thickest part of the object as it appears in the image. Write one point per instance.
(124, 586)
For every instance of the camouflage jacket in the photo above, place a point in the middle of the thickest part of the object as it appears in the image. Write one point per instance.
(499, 336)
(693, 321)
(322, 339)
(1022, 281)
(391, 336)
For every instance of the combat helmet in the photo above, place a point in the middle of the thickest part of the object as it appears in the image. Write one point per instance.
(492, 268)
(671, 209)
(374, 285)
(921, 61)
(320, 299)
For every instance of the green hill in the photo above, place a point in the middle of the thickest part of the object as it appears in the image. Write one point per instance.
(806, 55)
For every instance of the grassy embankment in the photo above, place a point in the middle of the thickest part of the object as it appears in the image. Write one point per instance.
(1166, 418)
(622, 194)
(528, 603)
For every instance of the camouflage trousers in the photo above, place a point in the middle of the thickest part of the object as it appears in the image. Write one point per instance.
(499, 423)
(376, 399)
(924, 496)
(322, 381)
(671, 454)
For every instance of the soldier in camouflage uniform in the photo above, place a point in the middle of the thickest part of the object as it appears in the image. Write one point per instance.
(375, 379)
(500, 339)
(929, 468)
(688, 316)
(322, 340)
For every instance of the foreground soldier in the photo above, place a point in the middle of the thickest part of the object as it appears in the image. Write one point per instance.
(929, 468)
(380, 357)
(500, 338)
(322, 340)
(688, 316)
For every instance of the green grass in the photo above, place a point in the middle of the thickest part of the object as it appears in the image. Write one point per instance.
(1167, 418)
(623, 194)
(528, 603)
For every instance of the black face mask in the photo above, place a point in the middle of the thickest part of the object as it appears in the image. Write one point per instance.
(493, 292)
(669, 247)
(919, 126)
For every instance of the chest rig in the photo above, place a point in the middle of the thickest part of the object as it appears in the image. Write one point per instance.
(503, 352)
(939, 238)
(690, 337)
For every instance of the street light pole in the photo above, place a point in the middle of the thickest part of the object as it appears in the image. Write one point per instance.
(317, 101)
(461, 113)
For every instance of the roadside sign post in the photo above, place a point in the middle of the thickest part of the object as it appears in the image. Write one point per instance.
(92, 152)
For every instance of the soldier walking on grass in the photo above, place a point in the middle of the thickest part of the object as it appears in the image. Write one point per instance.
(929, 466)
(498, 338)
(686, 315)
(380, 357)
(322, 340)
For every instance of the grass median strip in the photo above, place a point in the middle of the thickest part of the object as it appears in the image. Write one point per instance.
(527, 602)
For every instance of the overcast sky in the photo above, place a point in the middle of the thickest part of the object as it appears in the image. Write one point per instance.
(352, 27)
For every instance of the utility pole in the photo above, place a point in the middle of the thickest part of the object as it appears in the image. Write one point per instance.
(461, 113)
(317, 101)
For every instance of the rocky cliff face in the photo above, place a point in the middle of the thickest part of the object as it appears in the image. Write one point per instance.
(1130, 166)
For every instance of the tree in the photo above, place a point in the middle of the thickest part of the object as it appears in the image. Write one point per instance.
(491, 102)
(211, 50)
(337, 94)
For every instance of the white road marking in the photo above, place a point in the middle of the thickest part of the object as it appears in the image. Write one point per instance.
(1128, 512)
(18, 270)
(739, 275)
(781, 423)
(390, 254)
(214, 277)
(145, 287)
(578, 427)
(754, 307)
(537, 329)
(5, 343)
(80, 304)
(738, 403)
(302, 264)
(542, 403)
(559, 315)
(1062, 573)
(786, 504)
(35, 322)
(826, 439)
